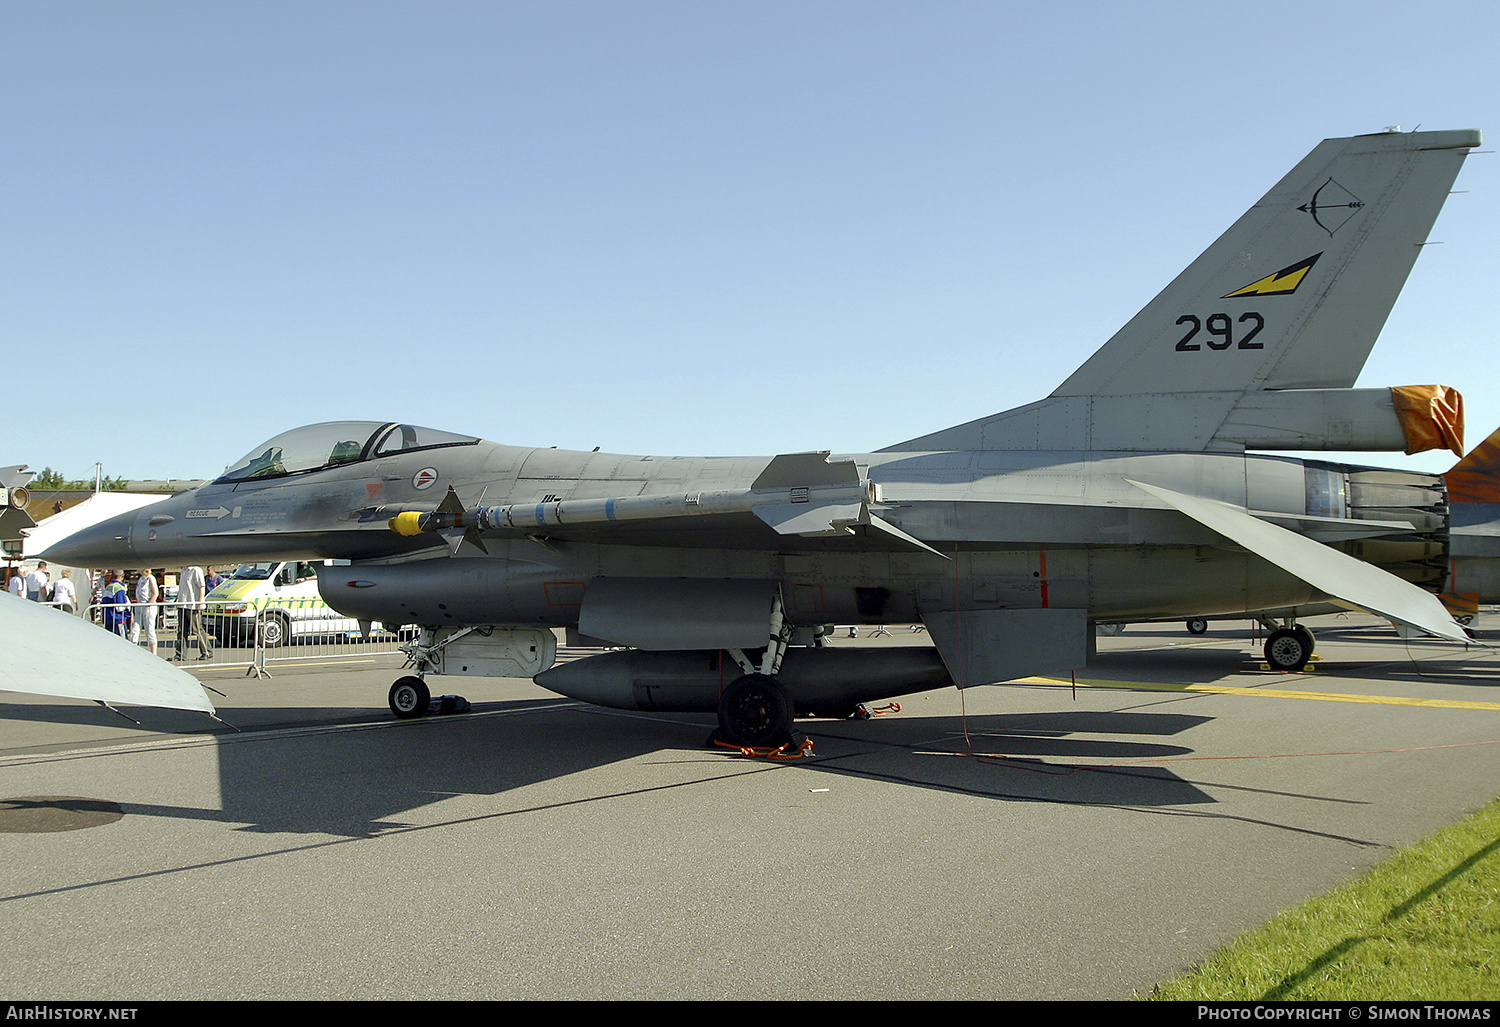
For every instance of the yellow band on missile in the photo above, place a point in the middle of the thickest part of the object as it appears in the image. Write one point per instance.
(408, 523)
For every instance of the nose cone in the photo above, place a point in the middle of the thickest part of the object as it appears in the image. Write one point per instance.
(105, 544)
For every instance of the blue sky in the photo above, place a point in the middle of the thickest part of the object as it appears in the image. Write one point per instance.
(666, 227)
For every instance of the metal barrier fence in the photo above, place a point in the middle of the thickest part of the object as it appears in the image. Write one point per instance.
(233, 635)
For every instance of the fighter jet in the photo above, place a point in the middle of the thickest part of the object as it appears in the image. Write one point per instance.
(1134, 491)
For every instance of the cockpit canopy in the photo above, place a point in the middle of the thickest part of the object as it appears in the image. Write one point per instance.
(334, 443)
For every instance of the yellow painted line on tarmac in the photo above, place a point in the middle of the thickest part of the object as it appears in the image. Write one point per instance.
(1271, 693)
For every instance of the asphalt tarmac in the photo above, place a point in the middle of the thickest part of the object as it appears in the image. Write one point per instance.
(1029, 841)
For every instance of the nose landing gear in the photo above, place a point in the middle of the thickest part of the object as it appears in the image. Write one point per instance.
(409, 697)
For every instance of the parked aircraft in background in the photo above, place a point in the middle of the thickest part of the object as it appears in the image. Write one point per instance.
(1129, 493)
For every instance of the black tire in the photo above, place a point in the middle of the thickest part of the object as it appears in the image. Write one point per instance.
(1307, 635)
(1289, 649)
(275, 630)
(409, 697)
(1197, 625)
(755, 711)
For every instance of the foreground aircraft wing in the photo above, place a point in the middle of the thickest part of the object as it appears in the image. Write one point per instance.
(48, 652)
(1328, 570)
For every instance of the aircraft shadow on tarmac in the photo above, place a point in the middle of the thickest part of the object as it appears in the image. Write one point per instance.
(360, 783)
(369, 774)
(363, 782)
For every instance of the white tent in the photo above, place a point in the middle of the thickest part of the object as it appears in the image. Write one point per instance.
(100, 506)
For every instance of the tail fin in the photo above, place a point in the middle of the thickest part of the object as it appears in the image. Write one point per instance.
(1291, 297)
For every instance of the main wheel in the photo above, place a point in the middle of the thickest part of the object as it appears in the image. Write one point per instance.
(755, 710)
(1197, 625)
(1307, 636)
(409, 697)
(1289, 649)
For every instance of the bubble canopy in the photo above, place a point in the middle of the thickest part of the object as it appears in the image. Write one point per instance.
(334, 443)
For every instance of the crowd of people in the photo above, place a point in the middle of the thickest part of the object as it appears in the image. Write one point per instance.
(40, 588)
(122, 614)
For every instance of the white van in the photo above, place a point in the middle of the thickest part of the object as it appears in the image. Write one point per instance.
(281, 599)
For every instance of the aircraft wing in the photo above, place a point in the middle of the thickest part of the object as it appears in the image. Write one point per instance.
(48, 652)
(1328, 570)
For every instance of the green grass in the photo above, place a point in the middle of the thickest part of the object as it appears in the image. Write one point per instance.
(1424, 924)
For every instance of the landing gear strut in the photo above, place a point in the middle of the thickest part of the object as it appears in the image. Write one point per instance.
(756, 711)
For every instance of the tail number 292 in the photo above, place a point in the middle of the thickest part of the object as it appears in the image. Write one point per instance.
(1221, 331)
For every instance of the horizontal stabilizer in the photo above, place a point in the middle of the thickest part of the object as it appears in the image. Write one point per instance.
(1328, 570)
(48, 652)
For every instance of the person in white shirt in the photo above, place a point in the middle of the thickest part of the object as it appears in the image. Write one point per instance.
(190, 593)
(17, 585)
(37, 584)
(63, 595)
(146, 595)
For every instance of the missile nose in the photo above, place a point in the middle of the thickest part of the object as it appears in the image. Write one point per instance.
(104, 544)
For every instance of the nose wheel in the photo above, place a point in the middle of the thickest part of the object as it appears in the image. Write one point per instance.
(409, 697)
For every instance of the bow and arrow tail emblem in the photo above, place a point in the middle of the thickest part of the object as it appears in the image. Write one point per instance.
(1333, 211)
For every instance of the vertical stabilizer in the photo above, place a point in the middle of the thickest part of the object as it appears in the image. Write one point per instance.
(1292, 296)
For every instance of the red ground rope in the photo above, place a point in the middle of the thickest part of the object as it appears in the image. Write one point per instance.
(780, 752)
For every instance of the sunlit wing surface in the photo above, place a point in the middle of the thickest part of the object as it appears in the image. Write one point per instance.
(51, 653)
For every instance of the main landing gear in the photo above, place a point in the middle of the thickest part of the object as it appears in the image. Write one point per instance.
(755, 711)
(1289, 648)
